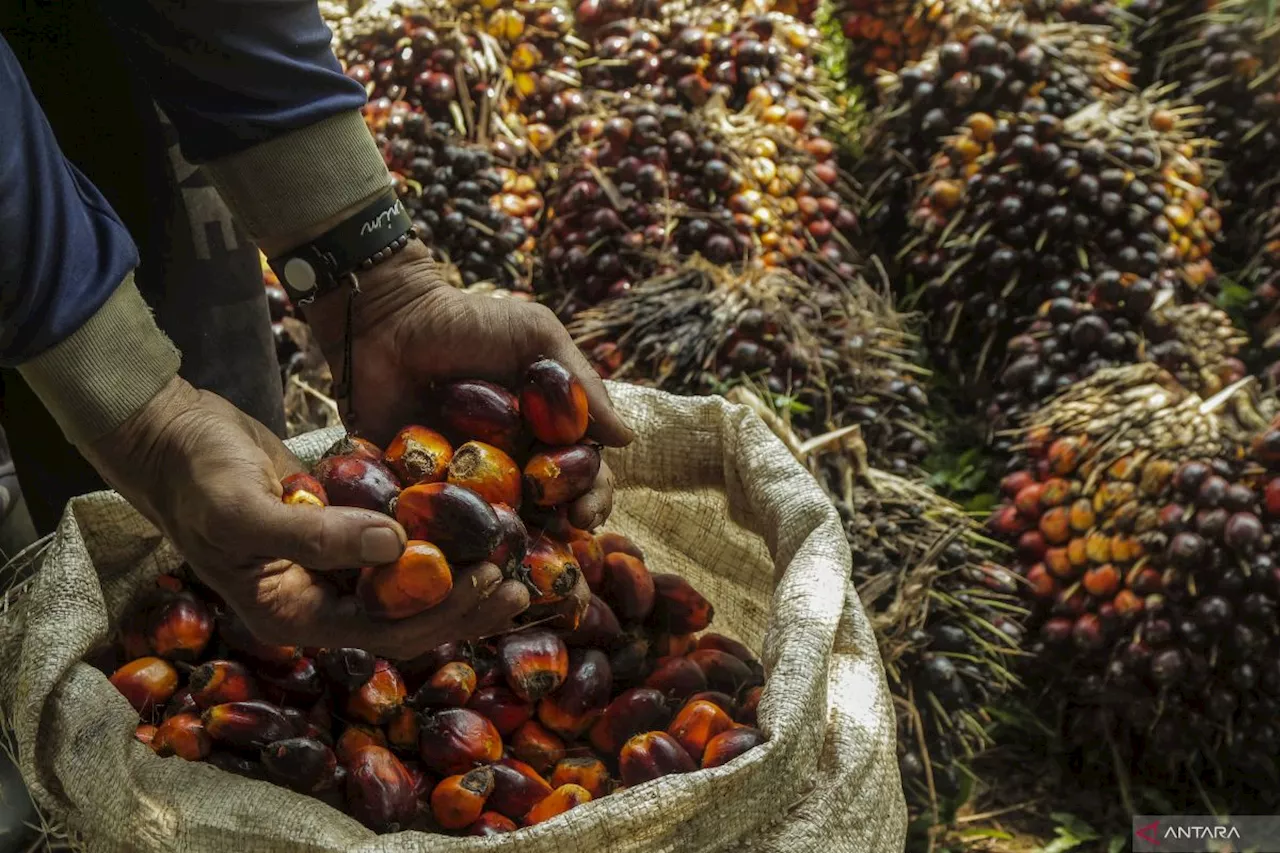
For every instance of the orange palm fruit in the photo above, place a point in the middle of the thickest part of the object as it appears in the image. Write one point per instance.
(458, 801)
(487, 471)
(145, 733)
(492, 823)
(380, 791)
(557, 803)
(561, 475)
(147, 683)
(513, 542)
(677, 678)
(589, 556)
(357, 482)
(553, 403)
(549, 571)
(589, 773)
(678, 608)
(356, 737)
(180, 628)
(724, 672)
(502, 707)
(246, 725)
(378, 700)
(454, 740)
(652, 755)
(347, 669)
(402, 730)
(517, 788)
(728, 745)
(456, 520)
(572, 708)
(616, 543)
(628, 587)
(598, 628)
(696, 724)
(723, 701)
(183, 735)
(302, 489)
(217, 681)
(637, 710)
(418, 581)
(534, 663)
(474, 409)
(354, 445)
(418, 455)
(451, 686)
(533, 744)
(301, 764)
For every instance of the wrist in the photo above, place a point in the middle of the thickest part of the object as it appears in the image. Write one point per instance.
(141, 437)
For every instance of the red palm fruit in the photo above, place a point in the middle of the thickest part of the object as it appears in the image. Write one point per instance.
(533, 744)
(492, 823)
(561, 475)
(587, 772)
(630, 661)
(1028, 500)
(628, 587)
(502, 707)
(302, 489)
(1042, 584)
(181, 702)
(402, 730)
(721, 643)
(487, 471)
(571, 710)
(616, 543)
(180, 628)
(549, 571)
(640, 709)
(145, 733)
(380, 791)
(1007, 523)
(557, 803)
(1058, 563)
(147, 683)
(678, 608)
(747, 711)
(347, 669)
(1102, 581)
(674, 645)
(652, 755)
(356, 737)
(1056, 492)
(1271, 497)
(237, 764)
(1055, 525)
(458, 801)
(517, 788)
(728, 745)
(534, 663)
(696, 724)
(133, 640)
(302, 726)
(417, 670)
(418, 455)
(354, 445)
(553, 403)
(456, 520)
(589, 556)
(1127, 603)
(418, 581)
(300, 764)
(454, 740)
(183, 735)
(300, 684)
(352, 481)
(724, 672)
(451, 686)
(238, 638)
(677, 678)
(474, 409)
(379, 699)
(513, 543)
(1015, 482)
(245, 725)
(422, 781)
(598, 628)
(217, 681)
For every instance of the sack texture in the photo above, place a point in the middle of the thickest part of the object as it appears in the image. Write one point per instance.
(707, 491)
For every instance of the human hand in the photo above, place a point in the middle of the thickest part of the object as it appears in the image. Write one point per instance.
(208, 476)
(412, 328)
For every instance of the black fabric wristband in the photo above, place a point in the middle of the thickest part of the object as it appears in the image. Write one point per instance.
(370, 236)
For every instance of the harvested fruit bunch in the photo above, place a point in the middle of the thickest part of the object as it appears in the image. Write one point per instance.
(1108, 207)
(842, 356)
(879, 37)
(1146, 531)
(1007, 66)
(467, 739)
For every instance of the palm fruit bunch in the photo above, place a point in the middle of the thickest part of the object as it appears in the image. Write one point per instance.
(468, 739)
(1107, 208)
(830, 358)
(1145, 522)
(1005, 66)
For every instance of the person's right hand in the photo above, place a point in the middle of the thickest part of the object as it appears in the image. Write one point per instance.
(208, 476)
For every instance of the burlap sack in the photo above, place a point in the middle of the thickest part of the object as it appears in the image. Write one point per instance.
(707, 491)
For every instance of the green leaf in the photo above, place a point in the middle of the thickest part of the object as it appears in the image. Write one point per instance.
(993, 834)
(1069, 824)
(1117, 843)
(1234, 295)
(982, 502)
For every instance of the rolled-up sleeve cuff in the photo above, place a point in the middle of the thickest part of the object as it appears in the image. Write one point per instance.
(107, 370)
(295, 181)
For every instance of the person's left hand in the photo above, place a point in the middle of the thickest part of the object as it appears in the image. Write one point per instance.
(412, 328)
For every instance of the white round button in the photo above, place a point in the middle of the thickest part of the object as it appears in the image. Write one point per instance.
(299, 275)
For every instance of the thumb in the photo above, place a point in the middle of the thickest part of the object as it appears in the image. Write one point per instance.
(323, 538)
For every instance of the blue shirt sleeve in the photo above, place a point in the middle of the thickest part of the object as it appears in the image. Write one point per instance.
(63, 251)
(233, 73)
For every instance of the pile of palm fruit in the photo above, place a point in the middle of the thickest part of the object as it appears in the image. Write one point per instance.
(1046, 229)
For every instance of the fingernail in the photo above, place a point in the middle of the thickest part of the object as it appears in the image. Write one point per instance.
(380, 545)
